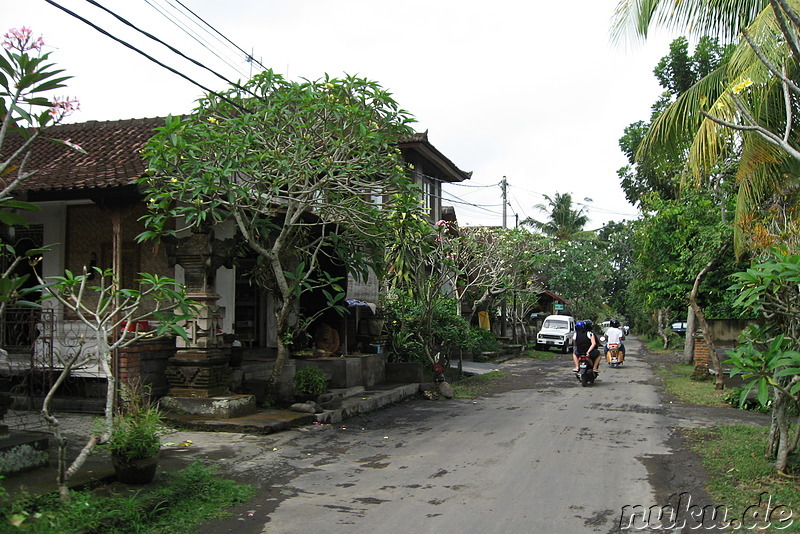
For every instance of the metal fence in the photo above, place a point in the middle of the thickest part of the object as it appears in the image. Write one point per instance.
(36, 344)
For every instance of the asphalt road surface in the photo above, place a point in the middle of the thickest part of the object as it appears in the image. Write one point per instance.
(546, 456)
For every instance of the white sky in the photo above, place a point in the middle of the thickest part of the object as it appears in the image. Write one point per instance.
(534, 91)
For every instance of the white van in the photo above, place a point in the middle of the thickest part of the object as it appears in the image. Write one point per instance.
(557, 331)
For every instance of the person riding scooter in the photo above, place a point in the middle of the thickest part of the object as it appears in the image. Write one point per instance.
(614, 334)
(585, 342)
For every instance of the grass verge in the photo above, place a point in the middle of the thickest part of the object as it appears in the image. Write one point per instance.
(179, 504)
(540, 354)
(678, 382)
(476, 385)
(741, 479)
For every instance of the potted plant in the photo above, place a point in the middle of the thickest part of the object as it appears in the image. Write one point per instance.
(309, 383)
(135, 443)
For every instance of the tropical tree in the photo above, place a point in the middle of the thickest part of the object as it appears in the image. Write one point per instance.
(301, 168)
(768, 356)
(563, 221)
(26, 112)
(672, 243)
(107, 310)
(577, 271)
(748, 98)
(660, 171)
(617, 244)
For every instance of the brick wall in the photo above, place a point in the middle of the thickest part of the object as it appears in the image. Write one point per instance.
(701, 354)
(147, 360)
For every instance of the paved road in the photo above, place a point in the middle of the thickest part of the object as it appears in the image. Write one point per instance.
(552, 458)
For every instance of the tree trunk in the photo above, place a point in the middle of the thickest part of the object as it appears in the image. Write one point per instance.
(688, 346)
(781, 423)
(661, 327)
(719, 383)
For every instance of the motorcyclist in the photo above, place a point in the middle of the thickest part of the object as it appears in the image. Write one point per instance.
(585, 342)
(614, 334)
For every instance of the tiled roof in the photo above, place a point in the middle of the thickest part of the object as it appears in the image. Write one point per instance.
(449, 171)
(112, 156)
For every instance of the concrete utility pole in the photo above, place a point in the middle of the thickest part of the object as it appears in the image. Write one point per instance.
(503, 311)
(504, 187)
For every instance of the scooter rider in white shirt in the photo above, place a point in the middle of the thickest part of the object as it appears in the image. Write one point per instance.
(615, 335)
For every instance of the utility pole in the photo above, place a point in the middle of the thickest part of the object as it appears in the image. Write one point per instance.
(503, 311)
(504, 187)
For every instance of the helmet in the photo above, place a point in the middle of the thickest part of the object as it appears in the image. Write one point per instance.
(579, 326)
(614, 323)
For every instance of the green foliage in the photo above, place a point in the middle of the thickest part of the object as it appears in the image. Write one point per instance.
(185, 500)
(25, 112)
(310, 381)
(110, 306)
(577, 271)
(412, 328)
(672, 244)
(136, 427)
(564, 222)
(296, 166)
(739, 397)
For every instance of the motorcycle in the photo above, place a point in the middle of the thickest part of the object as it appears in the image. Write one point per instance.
(585, 372)
(614, 356)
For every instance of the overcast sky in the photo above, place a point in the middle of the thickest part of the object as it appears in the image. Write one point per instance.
(533, 91)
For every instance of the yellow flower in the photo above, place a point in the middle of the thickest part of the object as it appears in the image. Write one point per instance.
(213, 120)
(328, 86)
(174, 180)
(741, 86)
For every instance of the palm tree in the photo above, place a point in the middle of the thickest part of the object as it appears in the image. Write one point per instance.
(564, 223)
(748, 98)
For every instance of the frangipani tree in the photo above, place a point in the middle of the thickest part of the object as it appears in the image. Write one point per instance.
(106, 311)
(301, 168)
(26, 111)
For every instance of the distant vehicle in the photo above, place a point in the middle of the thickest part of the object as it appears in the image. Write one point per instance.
(556, 331)
(679, 327)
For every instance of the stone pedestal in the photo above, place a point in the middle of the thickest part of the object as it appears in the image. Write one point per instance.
(198, 373)
(223, 407)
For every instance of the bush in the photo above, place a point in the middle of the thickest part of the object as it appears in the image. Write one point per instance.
(310, 381)
(410, 328)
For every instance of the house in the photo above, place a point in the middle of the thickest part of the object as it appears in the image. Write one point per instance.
(90, 211)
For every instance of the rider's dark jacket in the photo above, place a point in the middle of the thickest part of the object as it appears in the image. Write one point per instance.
(582, 342)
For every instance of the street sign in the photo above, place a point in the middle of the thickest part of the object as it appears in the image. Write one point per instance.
(558, 307)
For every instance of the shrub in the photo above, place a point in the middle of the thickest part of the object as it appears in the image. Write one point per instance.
(310, 381)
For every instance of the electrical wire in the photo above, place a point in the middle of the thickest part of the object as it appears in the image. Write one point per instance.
(159, 41)
(194, 35)
(151, 58)
(249, 56)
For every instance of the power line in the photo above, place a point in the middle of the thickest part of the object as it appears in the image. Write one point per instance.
(159, 41)
(249, 56)
(193, 34)
(151, 58)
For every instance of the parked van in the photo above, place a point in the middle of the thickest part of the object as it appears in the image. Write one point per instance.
(557, 331)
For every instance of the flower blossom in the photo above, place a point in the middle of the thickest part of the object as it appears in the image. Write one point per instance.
(741, 86)
(22, 40)
(61, 107)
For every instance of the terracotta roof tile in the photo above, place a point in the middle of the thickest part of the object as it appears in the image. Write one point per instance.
(112, 156)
